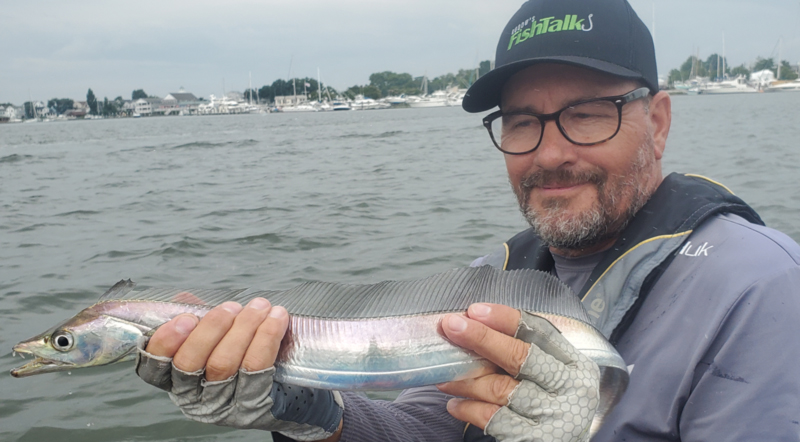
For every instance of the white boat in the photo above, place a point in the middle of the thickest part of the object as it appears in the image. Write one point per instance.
(299, 108)
(341, 106)
(736, 86)
(401, 99)
(784, 86)
(361, 103)
(436, 99)
(456, 97)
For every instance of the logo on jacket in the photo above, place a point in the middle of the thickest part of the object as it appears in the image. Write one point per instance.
(695, 251)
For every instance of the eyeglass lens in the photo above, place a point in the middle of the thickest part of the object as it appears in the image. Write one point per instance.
(585, 123)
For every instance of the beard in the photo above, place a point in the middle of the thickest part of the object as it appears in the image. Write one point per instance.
(619, 198)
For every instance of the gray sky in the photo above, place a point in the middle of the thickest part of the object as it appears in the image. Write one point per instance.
(62, 48)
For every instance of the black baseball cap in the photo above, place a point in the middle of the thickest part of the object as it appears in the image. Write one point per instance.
(604, 35)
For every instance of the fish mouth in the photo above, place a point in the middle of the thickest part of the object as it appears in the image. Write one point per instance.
(37, 365)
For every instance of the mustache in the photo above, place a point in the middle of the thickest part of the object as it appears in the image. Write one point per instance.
(562, 178)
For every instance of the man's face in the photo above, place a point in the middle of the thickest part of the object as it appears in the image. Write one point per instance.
(579, 198)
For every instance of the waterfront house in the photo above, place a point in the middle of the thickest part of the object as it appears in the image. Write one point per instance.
(181, 102)
(142, 107)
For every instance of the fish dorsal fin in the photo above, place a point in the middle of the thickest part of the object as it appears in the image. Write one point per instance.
(248, 296)
(451, 291)
(169, 294)
(118, 290)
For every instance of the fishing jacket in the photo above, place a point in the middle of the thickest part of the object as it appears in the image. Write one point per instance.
(627, 272)
(699, 298)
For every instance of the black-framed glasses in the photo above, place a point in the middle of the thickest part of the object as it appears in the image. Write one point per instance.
(585, 123)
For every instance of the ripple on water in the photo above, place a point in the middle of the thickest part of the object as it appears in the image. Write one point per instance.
(14, 158)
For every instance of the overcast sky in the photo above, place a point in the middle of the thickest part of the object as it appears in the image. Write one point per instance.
(62, 48)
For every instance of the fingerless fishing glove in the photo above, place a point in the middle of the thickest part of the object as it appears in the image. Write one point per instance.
(246, 400)
(558, 393)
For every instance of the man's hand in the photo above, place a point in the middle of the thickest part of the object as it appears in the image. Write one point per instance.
(549, 391)
(220, 370)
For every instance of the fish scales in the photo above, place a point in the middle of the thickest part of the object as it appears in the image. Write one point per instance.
(383, 336)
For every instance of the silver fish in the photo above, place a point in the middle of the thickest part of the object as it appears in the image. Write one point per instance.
(383, 336)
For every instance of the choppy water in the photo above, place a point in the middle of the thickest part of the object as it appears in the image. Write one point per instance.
(270, 201)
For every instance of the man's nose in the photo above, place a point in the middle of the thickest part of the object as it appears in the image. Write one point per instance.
(555, 150)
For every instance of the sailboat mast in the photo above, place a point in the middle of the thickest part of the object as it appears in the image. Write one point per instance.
(319, 87)
(723, 55)
(780, 48)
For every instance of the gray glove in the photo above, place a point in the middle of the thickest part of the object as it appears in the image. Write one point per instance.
(558, 393)
(246, 400)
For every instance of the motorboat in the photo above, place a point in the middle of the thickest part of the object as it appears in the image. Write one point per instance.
(738, 85)
(299, 108)
(341, 106)
(784, 86)
(362, 103)
(436, 99)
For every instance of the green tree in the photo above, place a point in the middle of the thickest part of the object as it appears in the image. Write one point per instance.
(62, 105)
(266, 94)
(675, 75)
(371, 92)
(787, 73)
(251, 94)
(109, 107)
(137, 94)
(485, 67)
(91, 100)
(714, 64)
(441, 82)
(29, 110)
(390, 83)
(352, 91)
(740, 70)
(687, 68)
(764, 63)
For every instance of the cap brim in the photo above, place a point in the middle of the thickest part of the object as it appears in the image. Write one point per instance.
(485, 93)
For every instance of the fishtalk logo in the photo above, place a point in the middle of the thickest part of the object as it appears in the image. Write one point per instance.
(533, 27)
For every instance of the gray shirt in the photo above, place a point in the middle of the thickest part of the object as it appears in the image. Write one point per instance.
(713, 352)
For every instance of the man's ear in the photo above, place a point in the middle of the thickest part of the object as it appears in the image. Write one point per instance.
(660, 121)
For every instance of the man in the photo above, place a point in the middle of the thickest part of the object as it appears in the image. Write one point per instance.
(698, 297)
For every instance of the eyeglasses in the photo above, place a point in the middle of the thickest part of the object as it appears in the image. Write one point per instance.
(585, 123)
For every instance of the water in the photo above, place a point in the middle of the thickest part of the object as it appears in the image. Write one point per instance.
(271, 201)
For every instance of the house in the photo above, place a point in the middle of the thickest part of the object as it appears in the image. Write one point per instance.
(180, 97)
(128, 107)
(142, 107)
(181, 102)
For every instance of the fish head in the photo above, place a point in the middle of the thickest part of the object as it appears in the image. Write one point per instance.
(88, 339)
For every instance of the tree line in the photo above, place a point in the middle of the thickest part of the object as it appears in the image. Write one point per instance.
(381, 84)
(712, 67)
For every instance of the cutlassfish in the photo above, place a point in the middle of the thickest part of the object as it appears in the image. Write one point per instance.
(383, 336)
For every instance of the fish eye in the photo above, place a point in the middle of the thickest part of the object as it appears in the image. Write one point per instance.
(62, 341)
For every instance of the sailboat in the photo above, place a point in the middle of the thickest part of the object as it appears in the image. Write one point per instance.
(437, 99)
(783, 85)
(298, 107)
